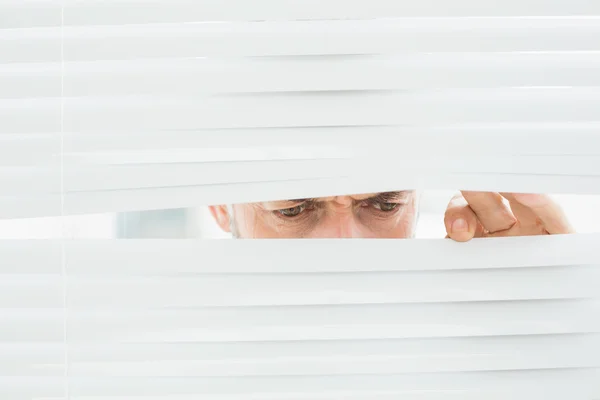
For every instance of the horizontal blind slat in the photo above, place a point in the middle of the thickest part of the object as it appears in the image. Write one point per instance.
(193, 76)
(298, 38)
(548, 105)
(420, 347)
(569, 138)
(345, 383)
(77, 12)
(335, 365)
(91, 177)
(244, 290)
(147, 257)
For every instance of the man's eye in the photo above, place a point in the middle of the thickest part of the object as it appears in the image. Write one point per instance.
(293, 212)
(386, 207)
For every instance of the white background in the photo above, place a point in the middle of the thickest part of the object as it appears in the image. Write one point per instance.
(584, 212)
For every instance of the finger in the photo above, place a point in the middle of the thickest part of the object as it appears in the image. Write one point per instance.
(491, 211)
(541, 210)
(460, 221)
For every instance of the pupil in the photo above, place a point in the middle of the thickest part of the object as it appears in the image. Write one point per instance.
(292, 212)
(388, 206)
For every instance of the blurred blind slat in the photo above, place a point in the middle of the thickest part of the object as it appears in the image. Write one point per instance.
(30, 13)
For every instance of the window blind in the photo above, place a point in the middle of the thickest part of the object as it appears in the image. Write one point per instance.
(175, 318)
(122, 105)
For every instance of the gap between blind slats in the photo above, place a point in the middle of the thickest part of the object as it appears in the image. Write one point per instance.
(191, 196)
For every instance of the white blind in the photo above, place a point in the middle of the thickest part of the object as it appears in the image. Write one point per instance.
(164, 319)
(120, 105)
(107, 109)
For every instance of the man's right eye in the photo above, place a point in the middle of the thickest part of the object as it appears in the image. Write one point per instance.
(293, 212)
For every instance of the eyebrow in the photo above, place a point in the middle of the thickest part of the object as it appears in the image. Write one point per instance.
(386, 197)
(311, 200)
(382, 197)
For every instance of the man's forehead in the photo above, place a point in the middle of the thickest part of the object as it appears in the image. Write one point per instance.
(356, 197)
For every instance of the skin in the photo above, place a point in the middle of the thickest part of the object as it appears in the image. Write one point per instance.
(394, 215)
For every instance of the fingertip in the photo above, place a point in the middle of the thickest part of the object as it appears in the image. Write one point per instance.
(460, 230)
(460, 225)
(461, 236)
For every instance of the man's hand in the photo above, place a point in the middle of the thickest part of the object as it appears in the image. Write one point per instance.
(488, 214)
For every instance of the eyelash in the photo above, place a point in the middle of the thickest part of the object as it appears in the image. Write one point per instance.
(302, 207)
(380, 204)
(310, 207)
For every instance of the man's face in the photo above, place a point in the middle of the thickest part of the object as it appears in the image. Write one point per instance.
(375, 215)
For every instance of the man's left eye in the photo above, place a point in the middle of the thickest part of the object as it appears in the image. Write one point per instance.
(292, 212)
(386, 207)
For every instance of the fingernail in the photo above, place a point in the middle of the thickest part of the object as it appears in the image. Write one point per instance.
(460, 225)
